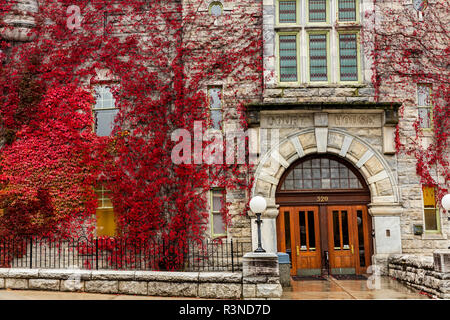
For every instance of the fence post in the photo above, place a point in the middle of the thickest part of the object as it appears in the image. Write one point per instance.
(31, 252)
(232, 256)
(96, 253)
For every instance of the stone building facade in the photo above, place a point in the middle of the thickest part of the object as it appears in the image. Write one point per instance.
(316, 111)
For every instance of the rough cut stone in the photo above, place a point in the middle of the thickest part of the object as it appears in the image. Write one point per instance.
(220, 290)
(100, 286)
(248, 291)
(2, 283)
(112, 275)
(16, 283)
(44, 284)
(133, 287)
(175, 289)
(226, 277)
(167, 276)
(64, 274)
(23, 273)
(264, 290)
(72, 285)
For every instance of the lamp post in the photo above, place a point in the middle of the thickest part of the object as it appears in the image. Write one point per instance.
(258, 204)
(446, 202)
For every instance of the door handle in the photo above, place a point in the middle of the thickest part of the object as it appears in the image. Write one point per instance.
(352, 249)
(298, 250)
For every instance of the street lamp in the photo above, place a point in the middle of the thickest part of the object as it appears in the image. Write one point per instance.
(446, 202)
(258, 204)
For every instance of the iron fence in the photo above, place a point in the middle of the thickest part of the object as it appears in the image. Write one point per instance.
(122, 254)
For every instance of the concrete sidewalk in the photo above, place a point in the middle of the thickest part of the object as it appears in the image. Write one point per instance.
(333, 289)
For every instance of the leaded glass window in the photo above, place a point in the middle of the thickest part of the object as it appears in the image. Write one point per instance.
(287, 11)
(424, 105)
(348, 57)
(318, 57)
(288, 58)
(347, 10)
(105, 110)
(321, 173)
(317, 10)
(215, 107)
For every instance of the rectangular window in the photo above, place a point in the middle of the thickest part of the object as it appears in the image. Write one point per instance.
(348, 57)
(317, 10)
(215, 106)
(347, 10)
(318, 69)
(287, 11)
(288, 58)
(106, 220)
(105, 111)
(425, 105)
(431, 211)
(218, 226)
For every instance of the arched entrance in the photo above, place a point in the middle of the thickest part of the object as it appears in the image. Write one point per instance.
(323, 221)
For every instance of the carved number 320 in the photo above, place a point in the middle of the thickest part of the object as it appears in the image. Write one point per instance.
(322, 199)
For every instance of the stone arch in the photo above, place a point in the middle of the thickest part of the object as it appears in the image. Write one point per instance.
(385, 198)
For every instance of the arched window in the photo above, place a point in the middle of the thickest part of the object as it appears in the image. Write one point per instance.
(321, 173)
(216, 8)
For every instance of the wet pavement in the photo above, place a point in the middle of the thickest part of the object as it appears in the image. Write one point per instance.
(333, 289)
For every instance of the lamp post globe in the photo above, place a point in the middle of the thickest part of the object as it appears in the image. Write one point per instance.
(446, 202)
(258, 204)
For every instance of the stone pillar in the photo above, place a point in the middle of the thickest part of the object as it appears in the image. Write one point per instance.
(387, 237)
(261, 277)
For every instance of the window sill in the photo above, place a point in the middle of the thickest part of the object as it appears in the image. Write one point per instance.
(319, 85)
(434, 236)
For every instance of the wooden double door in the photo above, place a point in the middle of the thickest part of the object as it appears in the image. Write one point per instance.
(327, 239)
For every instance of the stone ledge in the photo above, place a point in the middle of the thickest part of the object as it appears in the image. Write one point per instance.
(167, 276)
(223, 277)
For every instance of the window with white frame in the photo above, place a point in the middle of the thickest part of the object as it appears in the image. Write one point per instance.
(218, 225)
(424, 105)
(105, 110)
(313, 36)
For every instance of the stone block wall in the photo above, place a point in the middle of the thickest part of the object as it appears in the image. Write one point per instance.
(206, 285)
(419, 272)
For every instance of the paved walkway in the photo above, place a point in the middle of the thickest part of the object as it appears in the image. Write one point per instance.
(333, 289)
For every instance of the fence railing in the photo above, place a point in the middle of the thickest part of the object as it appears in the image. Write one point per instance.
(122, 254)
